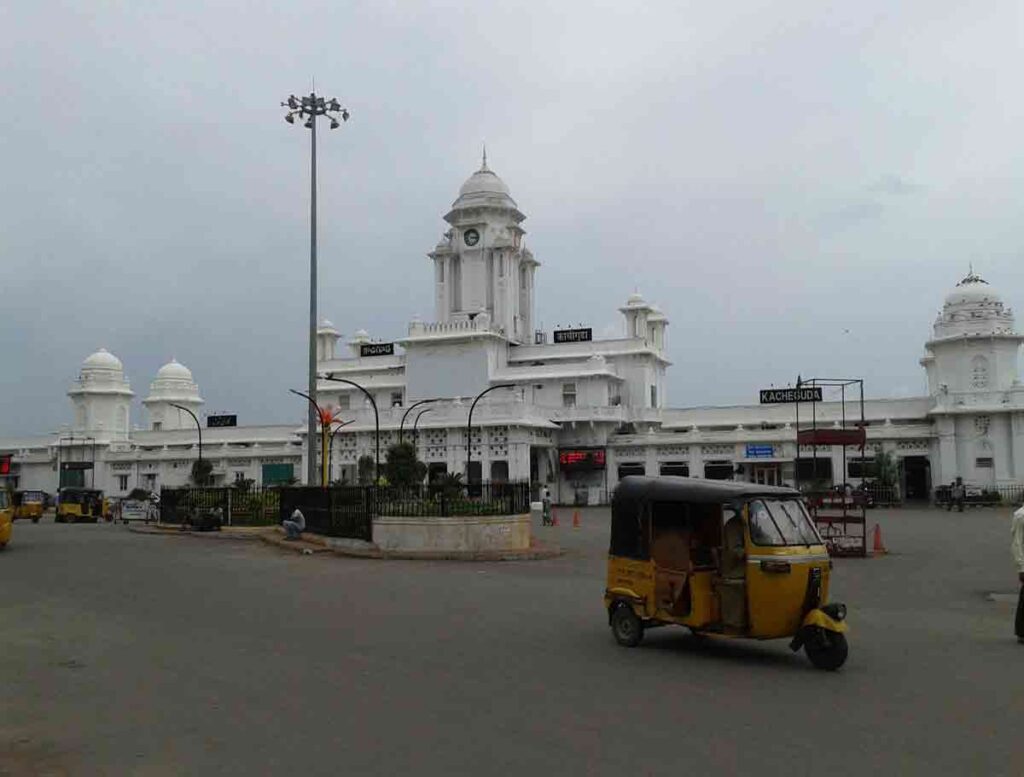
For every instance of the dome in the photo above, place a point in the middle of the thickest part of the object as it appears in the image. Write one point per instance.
(484, 188)
(102, 360)
(636, 298)
(174, 370)
(972, 289)
(483, 181)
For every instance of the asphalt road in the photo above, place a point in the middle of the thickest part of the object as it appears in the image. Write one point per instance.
(129, 654)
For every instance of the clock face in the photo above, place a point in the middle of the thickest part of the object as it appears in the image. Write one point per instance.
(472, 237)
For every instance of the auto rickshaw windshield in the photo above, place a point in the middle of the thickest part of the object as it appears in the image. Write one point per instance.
(781, 522)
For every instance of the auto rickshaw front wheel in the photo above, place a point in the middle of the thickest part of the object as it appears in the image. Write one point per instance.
(826, 649)
(627, 628)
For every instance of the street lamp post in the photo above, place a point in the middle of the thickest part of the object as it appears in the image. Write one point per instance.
(310, 108)
(199, 428)
(401, 426)
(469, 424)
(376, 419)
(330, 445)
(416, 423)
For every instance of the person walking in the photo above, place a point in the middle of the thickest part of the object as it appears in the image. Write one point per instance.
(1017, 548)
(957, 492)
(295, 525)
(545, 499)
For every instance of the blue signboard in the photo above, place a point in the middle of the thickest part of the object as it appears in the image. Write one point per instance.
(760, 451)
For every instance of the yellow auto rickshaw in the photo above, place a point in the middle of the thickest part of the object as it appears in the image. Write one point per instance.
(28, 505)
(722, 558)
(78, 505)
(6, 517)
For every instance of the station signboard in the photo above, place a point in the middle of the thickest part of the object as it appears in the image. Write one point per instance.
(760, 451)
(582, 335)
(72, 466)
(783, 396)
(214, 421)
(377, 349)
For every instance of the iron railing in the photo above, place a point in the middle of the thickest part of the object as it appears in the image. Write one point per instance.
(989, 496)
(239, 506)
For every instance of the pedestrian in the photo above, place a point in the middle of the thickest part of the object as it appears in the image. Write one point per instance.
(957, 492)
(295, 525)
(546, 505)
(1017, 547)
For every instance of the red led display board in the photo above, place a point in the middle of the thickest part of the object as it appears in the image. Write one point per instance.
(581, 459)
(5, 464)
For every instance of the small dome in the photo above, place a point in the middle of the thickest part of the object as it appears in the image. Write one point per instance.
(361, 334)
(972, 289)
(326, 323)
(636, 298)
(174, 370)
(483, 181)
(102, 360)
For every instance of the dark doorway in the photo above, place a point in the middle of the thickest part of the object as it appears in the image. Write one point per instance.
(814, 470)
(916, 478)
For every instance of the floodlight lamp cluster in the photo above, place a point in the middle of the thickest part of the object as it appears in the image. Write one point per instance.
(311, 106)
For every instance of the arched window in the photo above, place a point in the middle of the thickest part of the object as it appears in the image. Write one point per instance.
(979, 372)
(122, 420)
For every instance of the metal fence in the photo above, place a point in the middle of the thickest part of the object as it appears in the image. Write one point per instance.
(250, 506)
(983, 497)
(342, 511)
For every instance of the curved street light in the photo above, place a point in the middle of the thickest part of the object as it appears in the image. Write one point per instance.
(330, 443)
(310, 108)
(469, 425)
(415, 431)
(401, 426)
(376, 419)
(199, 428)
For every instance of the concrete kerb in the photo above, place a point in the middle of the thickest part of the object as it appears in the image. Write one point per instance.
(315, 544)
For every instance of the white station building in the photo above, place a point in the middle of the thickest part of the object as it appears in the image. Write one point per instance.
(569, 411)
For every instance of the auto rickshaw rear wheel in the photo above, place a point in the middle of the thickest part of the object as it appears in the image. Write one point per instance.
(627, 628)
(826, 649)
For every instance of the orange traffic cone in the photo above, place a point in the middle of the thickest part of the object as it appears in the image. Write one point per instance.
(879, 547)
(554, 517)
(575, 519)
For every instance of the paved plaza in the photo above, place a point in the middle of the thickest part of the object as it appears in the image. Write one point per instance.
(132, 654)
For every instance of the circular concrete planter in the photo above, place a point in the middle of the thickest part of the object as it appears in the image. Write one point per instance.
(470, 533)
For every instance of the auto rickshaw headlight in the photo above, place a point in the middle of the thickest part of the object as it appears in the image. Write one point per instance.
(835, 611)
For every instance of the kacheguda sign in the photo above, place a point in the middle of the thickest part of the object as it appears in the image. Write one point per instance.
(786, 395)
(377, 349)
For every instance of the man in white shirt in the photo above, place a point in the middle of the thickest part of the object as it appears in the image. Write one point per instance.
(295, 526)
(1017, 547)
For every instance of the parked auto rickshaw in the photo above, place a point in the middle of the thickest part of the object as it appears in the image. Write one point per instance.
(722, 558)
(6, 517)
(28, 505)
(75, 505)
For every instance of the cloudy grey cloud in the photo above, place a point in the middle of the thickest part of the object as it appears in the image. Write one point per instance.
(154, 202)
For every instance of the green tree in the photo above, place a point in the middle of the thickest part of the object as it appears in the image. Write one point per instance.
(201, 471)
(402, 467)
(887, 469)
(366, 465)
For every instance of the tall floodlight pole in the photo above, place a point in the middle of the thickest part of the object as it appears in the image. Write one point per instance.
(309, 108)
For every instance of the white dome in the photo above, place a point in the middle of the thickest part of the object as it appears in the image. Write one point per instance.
(483, 181)
(636, 298)
(972, 289)
(102, 360)
(362, 334)
(173, 370)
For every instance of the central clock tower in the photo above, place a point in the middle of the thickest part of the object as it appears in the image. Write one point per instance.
(482, 264)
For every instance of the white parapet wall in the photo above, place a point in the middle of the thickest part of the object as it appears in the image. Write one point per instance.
(463, 533)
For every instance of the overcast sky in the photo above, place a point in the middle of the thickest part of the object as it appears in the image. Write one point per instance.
(797, 185)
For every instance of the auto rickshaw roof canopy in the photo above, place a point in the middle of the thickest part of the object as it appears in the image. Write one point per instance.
(671, 488)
